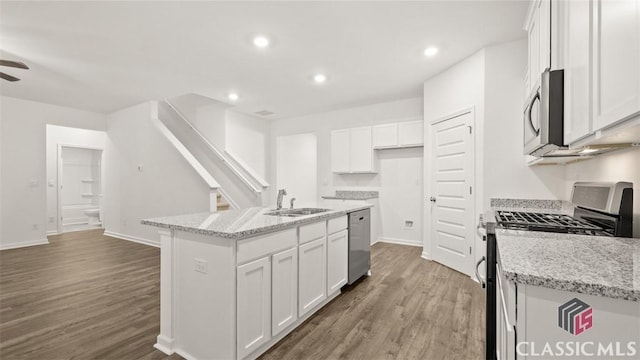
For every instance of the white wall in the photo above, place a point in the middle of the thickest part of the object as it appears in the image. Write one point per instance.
(296, 166)
(23, 209)
(166, 185)
(622, 165)
(506, 174)
(247, 138)
(458, 88)
(394, 208)
(491, 82)
(64, 136)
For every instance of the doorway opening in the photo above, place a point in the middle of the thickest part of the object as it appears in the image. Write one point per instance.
(79, 188)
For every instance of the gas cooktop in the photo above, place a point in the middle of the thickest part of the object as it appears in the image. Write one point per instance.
(531, 221)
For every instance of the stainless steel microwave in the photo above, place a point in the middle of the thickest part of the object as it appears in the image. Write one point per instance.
(544, 115)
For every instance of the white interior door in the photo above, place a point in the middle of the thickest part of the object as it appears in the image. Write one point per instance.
(452, 204)
(296, 166)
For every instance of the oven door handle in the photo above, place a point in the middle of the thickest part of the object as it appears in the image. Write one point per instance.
(529, 108)
(480, 279)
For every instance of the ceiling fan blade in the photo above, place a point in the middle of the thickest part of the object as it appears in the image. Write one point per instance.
(15, 64)
(8, 77)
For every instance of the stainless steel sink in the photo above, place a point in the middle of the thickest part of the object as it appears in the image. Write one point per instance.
(296, 212)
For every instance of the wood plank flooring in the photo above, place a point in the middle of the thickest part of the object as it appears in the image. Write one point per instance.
(89, 296)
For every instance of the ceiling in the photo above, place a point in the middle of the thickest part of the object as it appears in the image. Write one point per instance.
(105, 56)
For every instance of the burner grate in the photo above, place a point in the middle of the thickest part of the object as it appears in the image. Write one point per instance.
(537, 220)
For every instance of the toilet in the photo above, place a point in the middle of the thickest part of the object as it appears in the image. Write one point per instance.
(94, 216)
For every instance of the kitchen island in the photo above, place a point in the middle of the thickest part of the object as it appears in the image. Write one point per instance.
(560, 294)
(234, 283)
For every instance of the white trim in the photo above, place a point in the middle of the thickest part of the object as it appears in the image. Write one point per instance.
(52, 232)
(179, 146)
(247, 169)
(215, 150)
(453, 115)
(17, 245)
(400, 241)
(425, 255)
(163, 344)
(135, 239)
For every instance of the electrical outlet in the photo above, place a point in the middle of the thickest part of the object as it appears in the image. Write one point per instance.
(200, 266)
(408, 224)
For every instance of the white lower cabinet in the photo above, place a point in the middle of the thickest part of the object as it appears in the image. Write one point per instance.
(253, 305)
(312, 269)
(284, 290)
(337, 260)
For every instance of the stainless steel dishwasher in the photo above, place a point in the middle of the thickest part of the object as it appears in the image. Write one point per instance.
(359, 244)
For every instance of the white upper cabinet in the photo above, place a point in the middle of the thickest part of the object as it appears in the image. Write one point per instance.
(616, 61)
(340, 150)
(411, 133)
(538, 28)
(361, 150)
(577, 100)
(397, 135)
(385, 136)
(352, 151)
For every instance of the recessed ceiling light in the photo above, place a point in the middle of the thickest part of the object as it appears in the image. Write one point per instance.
(233, 96)
(261, 41)
(430, 51)
(320, 78)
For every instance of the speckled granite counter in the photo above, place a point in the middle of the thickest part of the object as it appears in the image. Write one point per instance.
(353, 195)
(595, 265)
(244, 223)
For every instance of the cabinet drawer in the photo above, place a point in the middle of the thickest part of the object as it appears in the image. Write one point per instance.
(337, 224)
(260, 246)
(312, 231)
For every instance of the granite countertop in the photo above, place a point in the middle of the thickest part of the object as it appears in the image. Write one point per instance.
(353, 195)
(243, 223)
(594, 265)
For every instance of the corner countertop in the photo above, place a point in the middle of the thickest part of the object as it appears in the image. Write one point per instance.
(353, 195)
(595, 265)
(244, 223)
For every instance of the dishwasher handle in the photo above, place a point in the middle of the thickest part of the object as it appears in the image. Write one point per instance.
(482, 281)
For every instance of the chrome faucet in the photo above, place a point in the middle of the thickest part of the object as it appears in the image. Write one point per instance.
(291, 201)
(281, 194)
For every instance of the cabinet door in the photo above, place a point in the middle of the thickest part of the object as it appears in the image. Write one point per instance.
(544, 36)
(411, 133)
(337, 261)
(361, 150)
(253, 305)
(284, 290)
(533, 43)
(340, 150)
(577, 57)
(616, 57)
(385, 136)
(312, 281)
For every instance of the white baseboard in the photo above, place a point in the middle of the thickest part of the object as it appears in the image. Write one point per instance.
(400, 241)
(22, 244)
(425, 255)
(164, 344)
(135, 239)
(52, 232)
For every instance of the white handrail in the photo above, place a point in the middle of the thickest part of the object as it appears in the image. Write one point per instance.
(195, 164)
(247, 169)
(217, 152)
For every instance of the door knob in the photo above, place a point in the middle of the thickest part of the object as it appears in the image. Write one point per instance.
(432, 199)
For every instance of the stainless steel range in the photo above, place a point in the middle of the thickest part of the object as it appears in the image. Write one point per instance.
(603, 209)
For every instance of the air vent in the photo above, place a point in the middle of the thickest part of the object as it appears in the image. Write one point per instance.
(264, 112)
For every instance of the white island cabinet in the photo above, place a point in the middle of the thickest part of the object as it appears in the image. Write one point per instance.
(235, 283)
